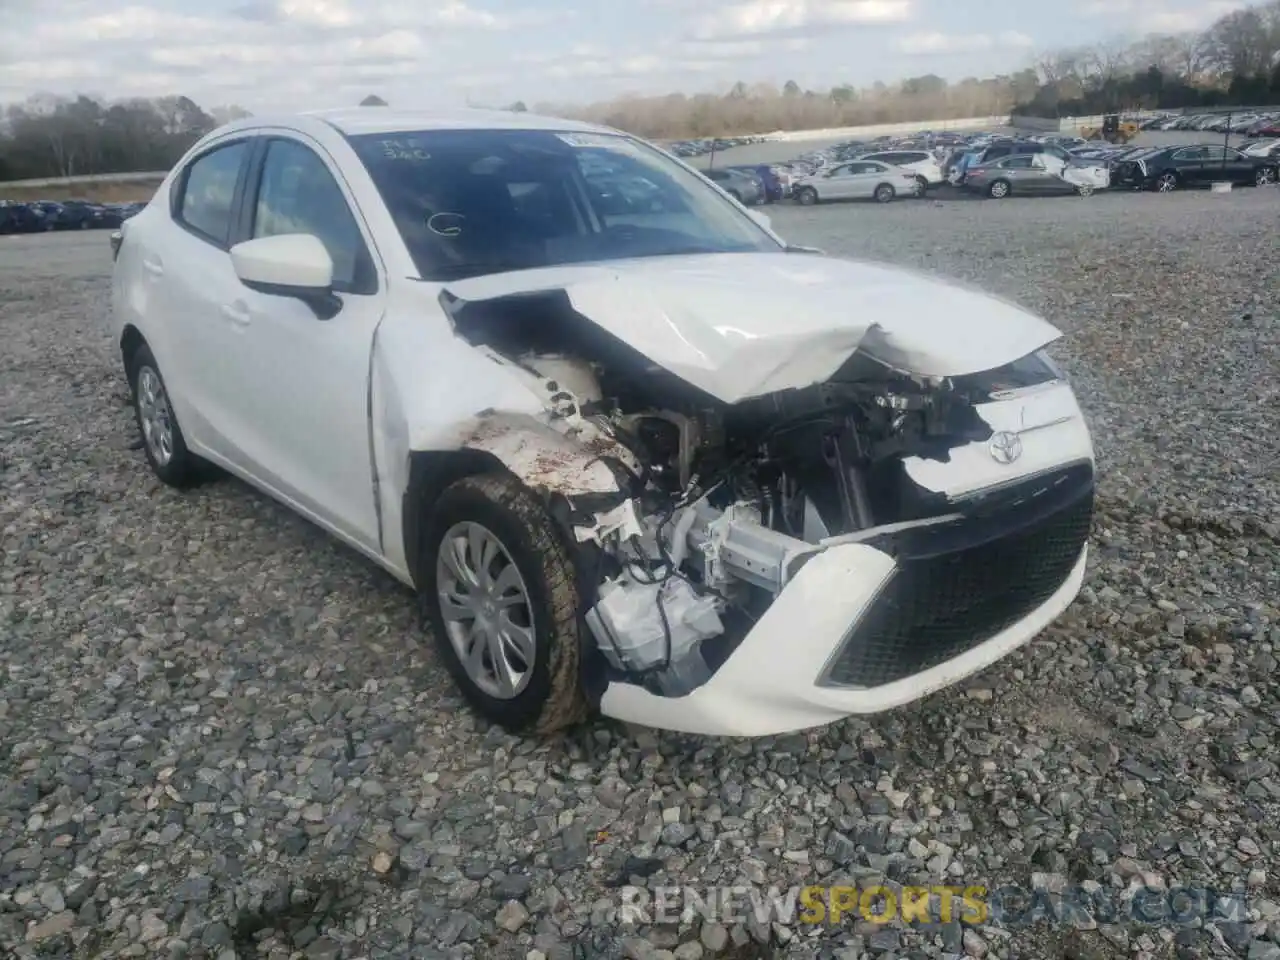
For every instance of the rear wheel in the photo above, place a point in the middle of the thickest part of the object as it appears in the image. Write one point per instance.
(807, 196)
(1085, 190)
(499, 590)
(162, 440)
(1166, 182)
(999, 189)
(884, 193)
(922, 186)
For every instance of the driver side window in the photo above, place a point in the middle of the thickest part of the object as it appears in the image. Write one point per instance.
(298, 194)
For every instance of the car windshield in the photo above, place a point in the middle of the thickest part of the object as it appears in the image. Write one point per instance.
(473, 202)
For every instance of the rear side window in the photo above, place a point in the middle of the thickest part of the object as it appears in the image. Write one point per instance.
(209, 189)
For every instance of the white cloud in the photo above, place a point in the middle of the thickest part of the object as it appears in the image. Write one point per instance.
(936, 43)
(1163, 18)
(774, 17)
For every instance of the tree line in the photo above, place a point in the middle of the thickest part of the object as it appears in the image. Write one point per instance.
(1236, 61)
(55, 137)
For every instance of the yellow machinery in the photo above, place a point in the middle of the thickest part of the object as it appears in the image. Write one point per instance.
(1112, 130)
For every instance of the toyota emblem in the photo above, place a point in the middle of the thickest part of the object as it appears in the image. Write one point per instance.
(1005, 447)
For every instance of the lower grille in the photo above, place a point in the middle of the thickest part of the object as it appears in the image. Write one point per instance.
(938, 604)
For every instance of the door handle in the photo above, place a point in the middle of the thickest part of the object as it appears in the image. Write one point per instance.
(237, 313)
(153, 267)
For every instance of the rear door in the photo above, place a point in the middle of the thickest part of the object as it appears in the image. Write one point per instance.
(188, 269)
(1239, 167)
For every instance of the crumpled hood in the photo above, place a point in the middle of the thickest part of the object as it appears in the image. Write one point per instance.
(740, 325)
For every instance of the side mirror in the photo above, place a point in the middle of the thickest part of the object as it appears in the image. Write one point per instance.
(760, 218)
(289, 265)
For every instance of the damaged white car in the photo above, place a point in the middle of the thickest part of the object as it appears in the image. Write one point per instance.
(635, 453)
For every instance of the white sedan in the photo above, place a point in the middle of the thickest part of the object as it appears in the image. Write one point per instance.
(859, 180)
(635, 453)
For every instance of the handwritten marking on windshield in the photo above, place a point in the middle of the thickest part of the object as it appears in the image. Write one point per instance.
(440, 224)
(403, 150)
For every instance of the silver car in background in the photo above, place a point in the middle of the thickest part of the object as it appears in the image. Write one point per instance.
(744, 187)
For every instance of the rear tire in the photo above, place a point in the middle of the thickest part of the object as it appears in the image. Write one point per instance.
(885, 193)
(922, 187)
(548, 694)
(999, 189)
(162, 439)
(1085, 190)
(1166, 183)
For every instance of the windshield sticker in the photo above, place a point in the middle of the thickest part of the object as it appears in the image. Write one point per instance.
(591, 140)
(409, 149)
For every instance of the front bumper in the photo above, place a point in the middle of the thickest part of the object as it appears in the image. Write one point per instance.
(864, 627)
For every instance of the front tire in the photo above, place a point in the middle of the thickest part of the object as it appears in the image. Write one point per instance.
(1265, 177)
(1085, 190)
(806, 196)
(162, 439)
(499, 591)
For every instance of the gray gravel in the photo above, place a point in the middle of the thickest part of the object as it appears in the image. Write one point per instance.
(223, 736)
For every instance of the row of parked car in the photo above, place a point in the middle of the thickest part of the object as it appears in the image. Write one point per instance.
(699, 148)
(996, 166)
(1250, 124)
(38, 216)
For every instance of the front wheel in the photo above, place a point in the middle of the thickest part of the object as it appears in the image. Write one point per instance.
(1085, 190)
(999, 190)
(806, 196)
(1265, 177)
(884, 193)
(499, 590)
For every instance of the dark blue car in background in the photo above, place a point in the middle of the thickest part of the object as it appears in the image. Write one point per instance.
(773, 191)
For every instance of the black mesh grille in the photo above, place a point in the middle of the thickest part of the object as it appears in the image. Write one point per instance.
(940, 604)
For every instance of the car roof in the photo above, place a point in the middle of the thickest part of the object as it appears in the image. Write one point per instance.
(354, 121)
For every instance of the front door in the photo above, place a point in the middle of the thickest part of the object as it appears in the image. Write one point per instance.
(303, 382)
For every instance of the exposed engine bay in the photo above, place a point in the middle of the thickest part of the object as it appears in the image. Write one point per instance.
(725, 502)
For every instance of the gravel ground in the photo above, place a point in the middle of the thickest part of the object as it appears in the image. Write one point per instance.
(224, 736)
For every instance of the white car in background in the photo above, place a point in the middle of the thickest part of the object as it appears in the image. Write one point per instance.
(856, 180)
(635, 453)
(922, 164)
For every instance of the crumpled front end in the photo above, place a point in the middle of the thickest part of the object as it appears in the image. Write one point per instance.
(785, 559)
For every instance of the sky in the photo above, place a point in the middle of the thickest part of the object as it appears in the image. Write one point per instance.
(283, 55)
